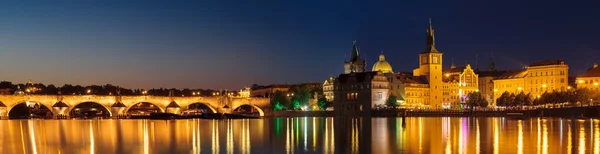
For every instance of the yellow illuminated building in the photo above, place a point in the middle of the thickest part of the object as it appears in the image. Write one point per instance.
(328, 89)
(458, 83)
(430, 67)
(429, 86)
(245, 93)
(536, 79)
(589, 79)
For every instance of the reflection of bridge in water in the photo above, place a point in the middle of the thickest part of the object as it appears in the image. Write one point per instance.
(120, 105)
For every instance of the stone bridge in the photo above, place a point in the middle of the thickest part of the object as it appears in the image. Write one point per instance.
(63, 104)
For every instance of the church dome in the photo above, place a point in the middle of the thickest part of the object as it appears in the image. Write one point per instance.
(19, 91)
(382, 65)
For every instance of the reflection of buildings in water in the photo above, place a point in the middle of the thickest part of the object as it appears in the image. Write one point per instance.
(581, 137)
(245, 137)
(477, 137)
(496, 136)
(596, 136)
(289, 135)
(229, 133)
(31, 137)
(314, 133)
(305, 135)
(196, 139)
(520, 136)
(328, 144)
(569, 138)
(544, 137)
(353, 135)
(215, 137)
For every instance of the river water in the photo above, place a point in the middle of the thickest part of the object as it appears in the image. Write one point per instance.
(301, 135)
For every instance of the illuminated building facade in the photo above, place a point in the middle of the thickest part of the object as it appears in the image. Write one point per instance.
(245, 93)
(589, 79)
(458, 83)
(536, 79)
(328, 89)
(430, 67)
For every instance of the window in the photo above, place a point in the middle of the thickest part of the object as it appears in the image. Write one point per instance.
(379, 95)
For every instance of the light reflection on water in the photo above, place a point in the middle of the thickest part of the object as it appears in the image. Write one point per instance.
(302, 135)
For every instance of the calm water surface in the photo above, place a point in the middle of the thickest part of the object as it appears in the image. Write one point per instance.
(301, 135)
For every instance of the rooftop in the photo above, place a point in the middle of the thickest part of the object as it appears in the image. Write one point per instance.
(593, 72)
(547, 62)
(359, 77)
(513, 74)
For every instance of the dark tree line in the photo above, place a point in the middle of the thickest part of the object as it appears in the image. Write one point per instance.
(108, 89)
(572, 96)
(297, 97)
(476, 99)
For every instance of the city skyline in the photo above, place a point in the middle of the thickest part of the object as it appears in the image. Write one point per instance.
(229, 46)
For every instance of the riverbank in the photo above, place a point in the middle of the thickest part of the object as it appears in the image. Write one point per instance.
(591, 112)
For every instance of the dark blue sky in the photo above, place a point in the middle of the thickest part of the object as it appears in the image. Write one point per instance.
(231, 44)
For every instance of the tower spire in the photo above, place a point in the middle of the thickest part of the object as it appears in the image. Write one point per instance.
(354, 53)
(452, 66)
(430, 39)
(491, 66)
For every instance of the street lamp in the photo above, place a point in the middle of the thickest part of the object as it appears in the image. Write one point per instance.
(89, 91)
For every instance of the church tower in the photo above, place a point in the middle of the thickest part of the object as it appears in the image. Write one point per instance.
(356, 63)
(431, 67)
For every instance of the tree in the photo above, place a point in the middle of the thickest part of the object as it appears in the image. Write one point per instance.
(528, 100)
(302, 95)
(392, 101)
(279, 101)
(511, 99)
(519, 99)
(476, 99)
(503, 100)
(322, 103)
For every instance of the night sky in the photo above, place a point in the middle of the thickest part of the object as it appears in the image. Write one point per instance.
(232, 44)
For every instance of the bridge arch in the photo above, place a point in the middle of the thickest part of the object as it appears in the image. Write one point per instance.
(20, 110)
(143, 107)
(197, 105)
(90, 104)
(247, 107)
